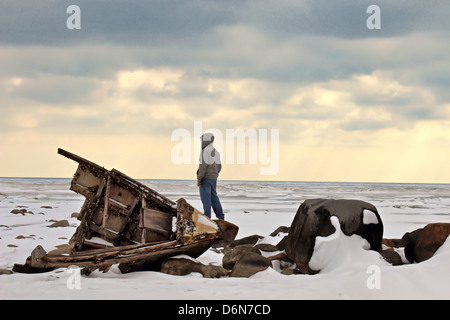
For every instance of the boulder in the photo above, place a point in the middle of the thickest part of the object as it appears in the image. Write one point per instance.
(267, 247)
(183, 266)
(247, 240)
(392, 257)
(232, 256)
(282, 229)
(250, 264)
(408, 241)
(430, 239)
(60, 223)
(19, 211)
(313, 219)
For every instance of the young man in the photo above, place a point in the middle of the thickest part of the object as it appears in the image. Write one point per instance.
(207, 174)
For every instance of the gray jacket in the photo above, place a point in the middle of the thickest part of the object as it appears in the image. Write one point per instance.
(209, 162)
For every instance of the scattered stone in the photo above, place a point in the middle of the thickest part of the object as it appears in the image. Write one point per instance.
(392, 257)
(247, 240)
(232, 256)
(74, 214)
(11, 246)
(21, 237)
(266, 247)
(250, 264)
(185, 266)
(392, 243)
(5, 271)
(17, 211)
(60, 223)
(282, 229)
(47, 207)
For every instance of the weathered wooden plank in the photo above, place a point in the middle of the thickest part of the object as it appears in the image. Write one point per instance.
(87, 214)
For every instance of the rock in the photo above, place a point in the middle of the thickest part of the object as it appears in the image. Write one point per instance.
(313, 219)
(20, 237)
(11, 246)
(282, 229)
(74, 215)
(392, 257)
(266, 247)
(430, 239)
(247, 240)
(232, 256)
(60, 223)
(47, 207)
(282, 244)
(250, 264)
(17, 211)
(408, 241)
(392, 243)
(184, 266)
(5, 271)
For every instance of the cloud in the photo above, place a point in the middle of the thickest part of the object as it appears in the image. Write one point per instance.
(143, 69)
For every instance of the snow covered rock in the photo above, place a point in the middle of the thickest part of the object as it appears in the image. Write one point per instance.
(312, 220)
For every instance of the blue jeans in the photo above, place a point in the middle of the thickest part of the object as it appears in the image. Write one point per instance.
(209, 198)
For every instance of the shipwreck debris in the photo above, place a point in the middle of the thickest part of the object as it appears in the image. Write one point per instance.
(125, 222)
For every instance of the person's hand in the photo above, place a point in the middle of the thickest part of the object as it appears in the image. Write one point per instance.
(199, 183)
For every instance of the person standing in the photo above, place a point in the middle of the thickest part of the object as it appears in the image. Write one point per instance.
(207, 174)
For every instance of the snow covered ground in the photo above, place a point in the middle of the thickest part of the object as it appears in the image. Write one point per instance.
(348, 270)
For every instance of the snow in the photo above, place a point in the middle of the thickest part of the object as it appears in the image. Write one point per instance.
(369, 217)
(348, 270)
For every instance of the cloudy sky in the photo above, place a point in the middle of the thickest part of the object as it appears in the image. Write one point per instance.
(349, 103)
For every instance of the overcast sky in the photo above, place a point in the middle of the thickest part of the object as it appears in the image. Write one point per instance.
(350, 103)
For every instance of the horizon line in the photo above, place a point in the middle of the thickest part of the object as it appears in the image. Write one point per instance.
(236, 180)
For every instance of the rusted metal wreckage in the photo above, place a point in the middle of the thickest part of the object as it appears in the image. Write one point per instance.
(125, 222)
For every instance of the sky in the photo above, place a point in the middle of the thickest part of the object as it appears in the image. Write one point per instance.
(318, 94)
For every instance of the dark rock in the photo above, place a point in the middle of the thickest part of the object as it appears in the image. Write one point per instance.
(185, 266)
(247, 240)
(19, 211)
(61, 223)
(74, 214)
(392, 243)
(250, 264)
(392, 257)
(232, 256)
(430, 239)
(282, 229)
(5, 271)
(266, 247)
(282, 244)
(313, 219)
(408, 241)
(290, 271)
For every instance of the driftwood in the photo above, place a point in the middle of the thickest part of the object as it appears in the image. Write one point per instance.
(138, 227)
